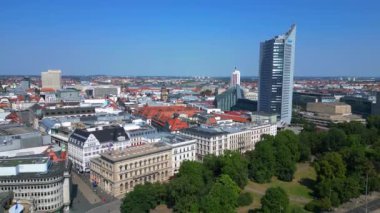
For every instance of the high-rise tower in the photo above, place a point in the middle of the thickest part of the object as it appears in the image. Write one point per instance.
(51, 79)
(235, 77)
(276, 74)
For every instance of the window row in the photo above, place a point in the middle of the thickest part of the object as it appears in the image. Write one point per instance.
(143, 162)
(143, 171)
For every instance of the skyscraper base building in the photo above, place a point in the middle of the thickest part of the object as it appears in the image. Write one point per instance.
(276, 73)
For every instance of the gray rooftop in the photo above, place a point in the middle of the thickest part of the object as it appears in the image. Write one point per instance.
(134, 152)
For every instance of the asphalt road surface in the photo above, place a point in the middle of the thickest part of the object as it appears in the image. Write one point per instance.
(372, 206)
(112, 207)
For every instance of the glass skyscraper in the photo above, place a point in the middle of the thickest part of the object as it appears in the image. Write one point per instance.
(276, 73)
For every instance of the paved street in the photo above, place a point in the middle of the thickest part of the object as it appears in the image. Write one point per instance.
(373, 206)
(86, 199)
(112, 207)
(85, 189)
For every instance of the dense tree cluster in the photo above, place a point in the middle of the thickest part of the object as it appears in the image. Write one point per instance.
(275, 200)
(275, 156)
(344, 158)
(347, 160)
(211, 186)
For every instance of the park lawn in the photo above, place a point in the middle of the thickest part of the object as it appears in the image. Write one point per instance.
(298, 191)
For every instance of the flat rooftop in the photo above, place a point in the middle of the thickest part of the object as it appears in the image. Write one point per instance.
(14, 129)
(135, 151)
(8, 162)
(329, 103)
(169, 138)
(56, 169)
(220, 129)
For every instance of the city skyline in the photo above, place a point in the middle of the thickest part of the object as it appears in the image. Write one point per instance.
(192, 39)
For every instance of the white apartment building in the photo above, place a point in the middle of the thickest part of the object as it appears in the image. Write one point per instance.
(230, 136)
(85, 144)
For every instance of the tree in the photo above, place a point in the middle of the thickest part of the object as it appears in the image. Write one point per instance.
(275, 200)
(335, 139)
(285, 165)
(330, 166)
(223, 196)
(143, 198)
(191, 184)
(262, 161)
(305, 146)
(350, 128)
(312, 140)
(318, 205)
(245, 199)
(235, 166)
(231, 163)
(374, 122)
(357, 161)
(214, 164)
(290, 140)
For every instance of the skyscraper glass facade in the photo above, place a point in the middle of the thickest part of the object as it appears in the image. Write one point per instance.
(276, 73)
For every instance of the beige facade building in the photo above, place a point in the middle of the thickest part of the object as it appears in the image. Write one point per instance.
(51, 79)
(323, 114)
(118, 172)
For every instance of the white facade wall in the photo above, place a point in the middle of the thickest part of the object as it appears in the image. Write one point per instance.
(80, 156)
(181, 152)
(241, 141)
(44, 194)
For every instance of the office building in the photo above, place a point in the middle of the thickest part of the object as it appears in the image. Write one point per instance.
(229, 98)
(16, 139)
(69, 95)
(38, 182)
(276, 71)
(67, 111)
(359, 105)
(229, 136)
(182, 147)
(101, 91)
(51, 79)
(300, 99)
(324, 114)
(235, 78)
(376, 105)
(118, 172)
(85, 144)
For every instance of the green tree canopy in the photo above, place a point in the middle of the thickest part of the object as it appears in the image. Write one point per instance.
(143, 198)
(235, 165)
(192, 182)
(275, 200)
(290, 140)
(330, 166)
(285, 165)
(262, 161)
(223, 196)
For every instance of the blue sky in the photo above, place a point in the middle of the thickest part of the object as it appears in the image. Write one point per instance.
(186, 37)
